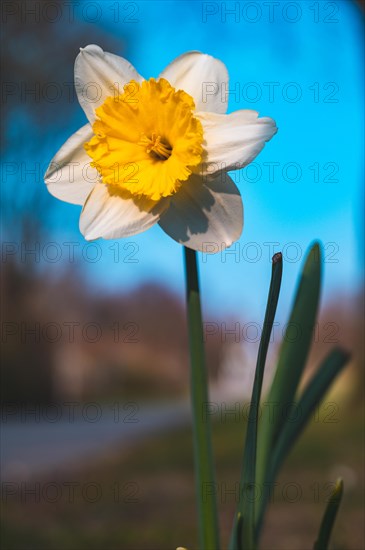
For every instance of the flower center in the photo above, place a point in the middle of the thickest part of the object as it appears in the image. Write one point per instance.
(156, 147)
(146, 141)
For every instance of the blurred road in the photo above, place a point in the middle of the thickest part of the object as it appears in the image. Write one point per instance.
(33, 441)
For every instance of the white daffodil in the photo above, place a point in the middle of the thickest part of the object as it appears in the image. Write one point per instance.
(157, 151)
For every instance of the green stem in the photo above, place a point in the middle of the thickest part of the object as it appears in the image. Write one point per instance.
(203, 457)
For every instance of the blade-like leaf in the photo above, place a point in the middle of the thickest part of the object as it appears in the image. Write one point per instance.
(238, 532)
(329, 517)
(309, 400)
(246, 511)
(292, 359)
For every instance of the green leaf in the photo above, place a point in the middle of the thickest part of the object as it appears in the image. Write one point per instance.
(312, 395)
(238, 532)
(245, 521)
(293, 355)
(329, 517)
(309, 400)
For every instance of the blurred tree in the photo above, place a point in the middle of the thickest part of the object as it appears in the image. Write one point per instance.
(40, 42)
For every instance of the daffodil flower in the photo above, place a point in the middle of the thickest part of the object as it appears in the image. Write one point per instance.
(157, 150)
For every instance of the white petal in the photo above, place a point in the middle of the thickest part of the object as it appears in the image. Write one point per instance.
(233, 141)
(110, 216)
(99, 74)
(205, 216)
(69, 176)
(203, 77)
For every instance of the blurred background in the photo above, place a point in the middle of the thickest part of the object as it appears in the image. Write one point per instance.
(95, 432)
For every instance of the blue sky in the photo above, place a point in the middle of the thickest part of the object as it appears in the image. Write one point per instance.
(313, 66)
